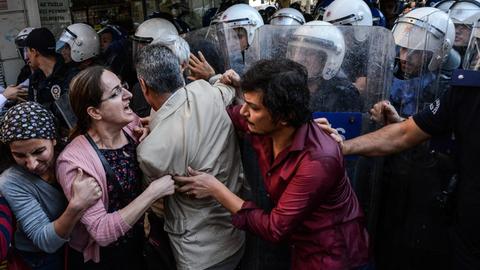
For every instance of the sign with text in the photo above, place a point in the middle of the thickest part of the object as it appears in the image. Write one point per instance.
(55, 15)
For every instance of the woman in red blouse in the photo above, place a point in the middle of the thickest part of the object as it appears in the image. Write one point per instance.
(316, 209)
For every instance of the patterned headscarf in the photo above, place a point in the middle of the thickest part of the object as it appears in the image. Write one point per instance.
(27, 120)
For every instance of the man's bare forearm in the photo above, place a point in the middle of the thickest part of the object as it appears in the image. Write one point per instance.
(390, 139)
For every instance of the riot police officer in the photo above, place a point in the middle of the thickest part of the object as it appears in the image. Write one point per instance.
(444, 5)
(322, 53)
(455, 111)
(463, 14)
(349, 12)
(116, 52)
(354, 13)
(287, 16)
(51, 77)
(79, 44)
(151, 29)
(424, 38)
(414, 216)
(146, 32)
(244, 20)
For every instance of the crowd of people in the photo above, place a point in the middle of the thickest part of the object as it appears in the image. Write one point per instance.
(97, 176)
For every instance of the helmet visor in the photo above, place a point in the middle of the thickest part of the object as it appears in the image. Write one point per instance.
(67, 37)
(416, 34)
(286, 19)
(313, 59)
(347, 20)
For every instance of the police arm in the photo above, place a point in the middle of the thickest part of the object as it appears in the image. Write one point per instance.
(387, 140)
(384, 113)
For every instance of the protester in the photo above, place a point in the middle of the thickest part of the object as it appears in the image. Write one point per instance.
(45, 219)
(103, 145)
(315, 210)
(203, 136)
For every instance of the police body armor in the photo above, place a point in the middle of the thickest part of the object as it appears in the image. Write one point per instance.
(52, 92)
(416, 189)
(415, 211)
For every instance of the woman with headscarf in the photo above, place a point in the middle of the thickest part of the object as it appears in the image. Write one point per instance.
(104, 146)
(45, 219)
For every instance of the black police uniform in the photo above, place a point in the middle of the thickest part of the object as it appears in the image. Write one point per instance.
(47, 90)
(336, 95)
(414, 213)
(458, 111)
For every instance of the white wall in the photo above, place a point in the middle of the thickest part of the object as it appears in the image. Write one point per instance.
(13, 18)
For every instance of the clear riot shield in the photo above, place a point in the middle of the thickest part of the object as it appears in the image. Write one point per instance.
(220, 45)
(468, 75)
(270, 42)
(346, 78)
(415, 191)
(65, 109)
(464, 15)
(424, 62)
(471, 60)
(222, 48)
(365, 67)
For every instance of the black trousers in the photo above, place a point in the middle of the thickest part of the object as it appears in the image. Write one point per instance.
(125, 256)
(464, 257)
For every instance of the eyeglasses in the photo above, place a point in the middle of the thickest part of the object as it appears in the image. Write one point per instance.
(116, 91)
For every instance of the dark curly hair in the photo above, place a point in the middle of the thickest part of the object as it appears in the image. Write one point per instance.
(283, 83)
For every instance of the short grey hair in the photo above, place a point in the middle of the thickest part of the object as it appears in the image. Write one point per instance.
(158, 66)
(177, 44)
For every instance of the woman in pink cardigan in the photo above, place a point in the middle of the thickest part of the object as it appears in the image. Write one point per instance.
(110, 235)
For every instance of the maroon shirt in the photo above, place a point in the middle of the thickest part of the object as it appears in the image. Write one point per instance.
(316, 210)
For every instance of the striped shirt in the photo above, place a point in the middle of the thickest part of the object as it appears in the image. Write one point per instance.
(6, 232)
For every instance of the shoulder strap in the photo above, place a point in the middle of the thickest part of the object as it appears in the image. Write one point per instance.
(129, 138)
(106, 166)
